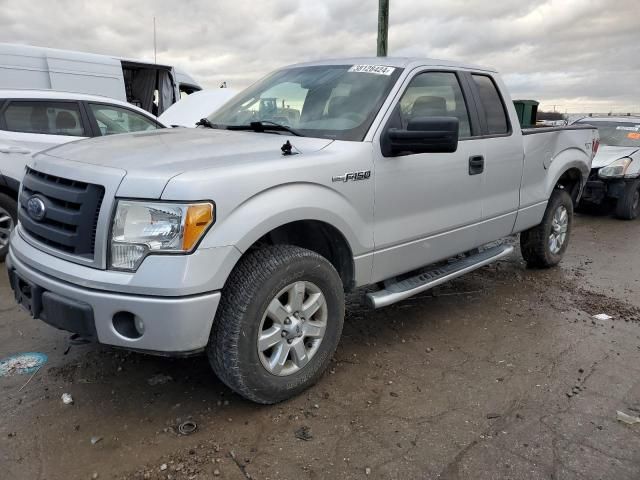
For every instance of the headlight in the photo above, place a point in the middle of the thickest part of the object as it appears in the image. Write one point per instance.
(615, 169)
(140, 228)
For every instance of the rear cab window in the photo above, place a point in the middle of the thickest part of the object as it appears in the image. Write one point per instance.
(495, 113)
(43, 117)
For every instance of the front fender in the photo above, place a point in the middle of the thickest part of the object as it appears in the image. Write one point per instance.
(287, 203)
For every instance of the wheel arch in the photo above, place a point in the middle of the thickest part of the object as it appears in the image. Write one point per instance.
(9, 192)
(569, 171)
(9, 186)
(306, 215)
(317, 236)
(572, 181)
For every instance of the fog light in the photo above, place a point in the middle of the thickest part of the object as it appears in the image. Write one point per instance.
(128, 325)
(139, 325)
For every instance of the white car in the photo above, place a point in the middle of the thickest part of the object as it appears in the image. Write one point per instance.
(615, 173)
(191, 108)
(34, 120)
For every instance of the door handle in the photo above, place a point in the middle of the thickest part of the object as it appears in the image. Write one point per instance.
(476, 164)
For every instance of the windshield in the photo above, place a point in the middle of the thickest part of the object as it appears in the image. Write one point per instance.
(327, 101)
(618, 134)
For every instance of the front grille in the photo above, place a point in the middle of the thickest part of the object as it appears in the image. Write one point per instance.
(71, 212)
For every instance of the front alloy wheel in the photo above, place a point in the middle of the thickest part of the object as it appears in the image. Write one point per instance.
(278, 323)
(292, 328)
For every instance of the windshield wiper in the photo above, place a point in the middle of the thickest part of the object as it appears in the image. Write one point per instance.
(265, 125)
(204, 122)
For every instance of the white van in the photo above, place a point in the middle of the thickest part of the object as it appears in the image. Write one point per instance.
(150, 86)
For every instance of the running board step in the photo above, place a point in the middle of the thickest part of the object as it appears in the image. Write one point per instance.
(395, 291)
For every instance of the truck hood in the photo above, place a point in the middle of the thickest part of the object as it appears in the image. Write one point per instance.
(608, 153)
(151, 159)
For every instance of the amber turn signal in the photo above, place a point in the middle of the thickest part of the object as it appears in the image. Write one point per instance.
(199, 217)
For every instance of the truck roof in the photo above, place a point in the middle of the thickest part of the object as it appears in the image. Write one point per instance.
(398, 62)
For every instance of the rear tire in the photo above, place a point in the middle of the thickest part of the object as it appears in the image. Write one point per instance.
(8, 220)
(278, 323)
(543, 246)
(628, 206)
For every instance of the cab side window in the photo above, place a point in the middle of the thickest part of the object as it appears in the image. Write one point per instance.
(44, 117)
(435, 94)
(112, 120)
(497, 123)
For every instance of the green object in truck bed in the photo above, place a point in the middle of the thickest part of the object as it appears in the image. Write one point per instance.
(527, 112)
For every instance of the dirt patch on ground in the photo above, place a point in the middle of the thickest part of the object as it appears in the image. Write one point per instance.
(596, 303)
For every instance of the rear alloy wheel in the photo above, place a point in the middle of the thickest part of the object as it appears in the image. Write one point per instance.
(278, 323)
(559, 227)
(8, 212)
(628, 206)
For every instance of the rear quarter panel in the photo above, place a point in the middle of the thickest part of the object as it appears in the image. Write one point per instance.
(548, 154)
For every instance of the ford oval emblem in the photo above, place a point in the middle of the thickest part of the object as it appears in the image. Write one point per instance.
(36, 208)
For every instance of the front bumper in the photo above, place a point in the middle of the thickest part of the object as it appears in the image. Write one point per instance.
(597, 190)
(172, 325)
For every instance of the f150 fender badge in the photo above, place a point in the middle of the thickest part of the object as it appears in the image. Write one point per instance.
(353, 176)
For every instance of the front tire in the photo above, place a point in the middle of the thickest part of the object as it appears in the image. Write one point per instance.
(628, 206)
(8, 220)
(543, 246)
(278, 323)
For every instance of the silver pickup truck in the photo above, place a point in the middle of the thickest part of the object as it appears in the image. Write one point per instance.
(240, 238)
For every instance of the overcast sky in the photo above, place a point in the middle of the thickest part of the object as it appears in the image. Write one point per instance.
(581, 55)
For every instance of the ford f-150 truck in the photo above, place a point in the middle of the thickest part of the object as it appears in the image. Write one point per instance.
(241, 237)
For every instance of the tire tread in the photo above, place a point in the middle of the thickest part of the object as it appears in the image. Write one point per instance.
(244, 282)
(533, 242)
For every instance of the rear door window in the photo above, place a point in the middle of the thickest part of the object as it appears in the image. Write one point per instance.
(494, 111)
(112, 120)
(44, 117)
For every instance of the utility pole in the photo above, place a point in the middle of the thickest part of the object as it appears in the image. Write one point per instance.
(155, 56)
(383, 27)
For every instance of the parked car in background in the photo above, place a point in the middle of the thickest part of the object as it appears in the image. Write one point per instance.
(615, 173)
(241, 237)
(190, 109)
(34, 120)
(150, 86)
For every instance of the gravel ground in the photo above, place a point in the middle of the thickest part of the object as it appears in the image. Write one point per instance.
(501, 374)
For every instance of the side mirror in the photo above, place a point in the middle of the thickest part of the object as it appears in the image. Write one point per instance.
(423, 135)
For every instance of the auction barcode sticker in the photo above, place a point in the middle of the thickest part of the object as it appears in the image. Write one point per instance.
(629, 129)
(377, 69)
